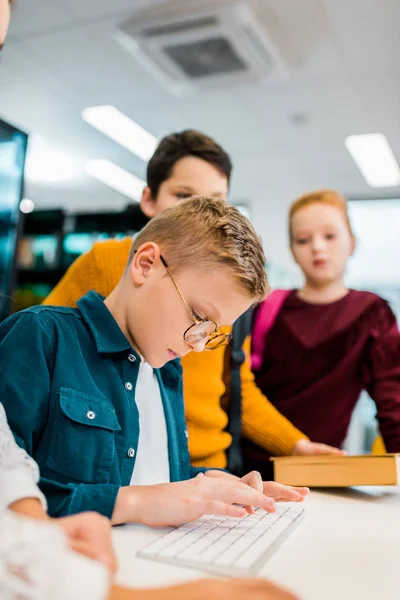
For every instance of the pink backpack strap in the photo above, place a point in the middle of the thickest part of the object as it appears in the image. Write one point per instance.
(265, 318)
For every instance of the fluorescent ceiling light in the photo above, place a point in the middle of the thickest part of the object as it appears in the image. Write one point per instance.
(26, 205)
(44, 163)
(373, 156)
(116, 178)
(113, 123)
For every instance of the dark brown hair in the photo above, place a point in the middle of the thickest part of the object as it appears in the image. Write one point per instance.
(176, 146)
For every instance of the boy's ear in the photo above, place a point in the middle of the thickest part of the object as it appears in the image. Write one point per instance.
(144, 260)
(147, 203)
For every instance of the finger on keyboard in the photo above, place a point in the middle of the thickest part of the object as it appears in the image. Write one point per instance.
(221, 508)
(284, 493)
(254, 480)
(254, 498)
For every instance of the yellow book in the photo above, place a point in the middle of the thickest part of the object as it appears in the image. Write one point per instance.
(338, 471)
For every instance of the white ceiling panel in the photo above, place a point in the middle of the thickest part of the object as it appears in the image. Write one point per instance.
(286, 135)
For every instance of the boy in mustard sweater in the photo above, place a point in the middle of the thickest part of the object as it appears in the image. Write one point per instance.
(186, 164)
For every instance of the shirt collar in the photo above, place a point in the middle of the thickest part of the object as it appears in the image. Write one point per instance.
(107, 334)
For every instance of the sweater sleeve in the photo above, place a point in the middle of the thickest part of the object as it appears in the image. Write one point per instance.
(262, 423)
(382, 374)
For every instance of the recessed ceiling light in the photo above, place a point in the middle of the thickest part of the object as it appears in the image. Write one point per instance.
(113, 123)
(374, 157)
(116, 178)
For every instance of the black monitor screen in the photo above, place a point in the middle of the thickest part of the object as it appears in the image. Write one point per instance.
(12, 160)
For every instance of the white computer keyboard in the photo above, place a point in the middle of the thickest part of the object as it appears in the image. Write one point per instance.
(226, 545)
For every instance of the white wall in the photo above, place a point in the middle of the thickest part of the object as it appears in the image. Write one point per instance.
(376, 262)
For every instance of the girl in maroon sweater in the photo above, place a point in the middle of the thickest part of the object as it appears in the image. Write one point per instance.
(326, 343)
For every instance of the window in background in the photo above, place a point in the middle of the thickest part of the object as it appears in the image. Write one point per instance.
(375, 268)
(281, 278)
(375, 264)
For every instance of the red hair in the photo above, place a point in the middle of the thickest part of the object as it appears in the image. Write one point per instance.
(329, 197)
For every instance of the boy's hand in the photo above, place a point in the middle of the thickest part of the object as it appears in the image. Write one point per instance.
(277, 491)
(90, 534)
(308, 448)
(174, 503)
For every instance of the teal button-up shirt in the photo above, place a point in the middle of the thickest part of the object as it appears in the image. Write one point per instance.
(67, 382)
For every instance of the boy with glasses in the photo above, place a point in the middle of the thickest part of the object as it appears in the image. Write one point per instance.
(83, 376)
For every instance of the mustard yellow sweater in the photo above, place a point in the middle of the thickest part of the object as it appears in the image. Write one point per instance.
(204, 380)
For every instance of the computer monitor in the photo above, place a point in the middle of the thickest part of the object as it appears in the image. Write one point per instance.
(13, 144)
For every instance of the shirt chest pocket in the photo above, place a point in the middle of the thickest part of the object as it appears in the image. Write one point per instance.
(82, 446)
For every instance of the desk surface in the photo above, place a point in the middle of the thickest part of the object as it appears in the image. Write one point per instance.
(346, 548)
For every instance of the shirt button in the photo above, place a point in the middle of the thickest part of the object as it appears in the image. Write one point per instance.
(131, 358)
(131, 452)
(90, 415)
(186, 434)
(128, 386)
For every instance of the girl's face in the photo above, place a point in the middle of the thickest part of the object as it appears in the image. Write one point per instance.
(4, 20)
(321, 242)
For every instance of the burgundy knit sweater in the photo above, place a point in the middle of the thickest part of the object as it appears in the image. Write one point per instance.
(318, 359)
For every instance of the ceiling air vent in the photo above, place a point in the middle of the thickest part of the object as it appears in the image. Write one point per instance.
(202, 50)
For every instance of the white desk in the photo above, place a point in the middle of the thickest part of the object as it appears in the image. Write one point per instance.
(346, 548)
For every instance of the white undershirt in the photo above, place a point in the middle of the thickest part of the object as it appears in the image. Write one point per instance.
(152, 461)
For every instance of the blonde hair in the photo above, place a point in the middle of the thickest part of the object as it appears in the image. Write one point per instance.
(205, 233)
(329, 197)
